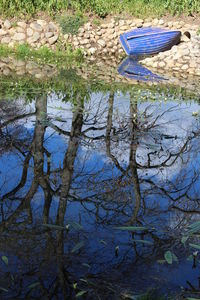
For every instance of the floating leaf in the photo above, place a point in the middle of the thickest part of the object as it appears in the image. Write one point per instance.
(168, 257)
(102, 242)
(161, 261)
(195, 227)
(131, 228)
(116, 251)
(174, 257)
(81, 293)
(5, 260)
(190, 258)
(194, 224)
(143, 242)
(192, 299)
(86, 265)
(195, 246)
(184, 239)
(83, 280)
(53, 226)
(77, 246)
(76, 225)
(33, 285)
(3, 289)
(74, 285)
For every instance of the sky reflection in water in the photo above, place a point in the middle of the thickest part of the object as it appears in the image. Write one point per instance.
(96, 165)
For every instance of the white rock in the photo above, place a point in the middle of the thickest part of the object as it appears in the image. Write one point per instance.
(36, 27)
(53, 39)
(19, 36)
(6, 40)
(3, 32)
(101, 42)
(29, 32)
(92, 50)
(22, 24)
(7, 24)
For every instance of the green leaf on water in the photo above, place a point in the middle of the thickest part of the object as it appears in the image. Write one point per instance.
(53, 226)
(76, 225)
(81, 293)
(5, 260)
(161, 261)
(3, 289)
(143, 242)
(78, 246)
(86, 265)
(190, 258)
(174, 257)
(102, 242)
(74, 285)
(194, 224)
(168, 257)
(184, 239)
(195, 246)
(192, 298)
(33, 285)
(195, 227)
(131, 228)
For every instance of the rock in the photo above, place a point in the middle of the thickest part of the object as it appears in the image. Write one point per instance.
(19, 62)
(29, 32)
(36, 27)
(42, 23)
(184, 38)
(11, 31)
(53, 39)
(139, 25)
(161, 64)
(185, 67)
(104, 26)
(51, 27)
(6, 40)
(112, 25)
(6, 71)
(20, 29)
(66, 36)
(22, 24)
(48, 34)
(84, 42)
(102, 43)
(19, 36)
(35, 37)
(3, 32)
(92, 50)
(161, 22)
(7, 24)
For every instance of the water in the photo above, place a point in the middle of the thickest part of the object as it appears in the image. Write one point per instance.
(79, 163)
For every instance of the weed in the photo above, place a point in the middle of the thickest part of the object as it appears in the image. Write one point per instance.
(96, 22)
(71, 23)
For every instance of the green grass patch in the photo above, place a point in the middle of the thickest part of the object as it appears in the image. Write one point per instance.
(139, 8)
(71, 23)
(43, 54)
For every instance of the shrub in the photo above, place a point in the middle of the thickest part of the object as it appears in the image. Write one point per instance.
(70, 23)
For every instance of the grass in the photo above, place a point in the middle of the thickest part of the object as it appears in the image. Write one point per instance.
(71, 23)
(139, 8)
(43, 54)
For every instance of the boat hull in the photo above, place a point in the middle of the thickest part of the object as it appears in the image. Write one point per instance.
(148, 41)
(131, 68)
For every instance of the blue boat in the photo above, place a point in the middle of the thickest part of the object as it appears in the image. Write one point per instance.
(149, 40)
(130, 68)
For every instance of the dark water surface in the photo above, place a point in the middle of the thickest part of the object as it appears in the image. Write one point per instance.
(74, 168)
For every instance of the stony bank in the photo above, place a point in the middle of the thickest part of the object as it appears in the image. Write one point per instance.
(103, 41)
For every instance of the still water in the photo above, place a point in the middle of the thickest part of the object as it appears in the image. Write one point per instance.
(96, 187)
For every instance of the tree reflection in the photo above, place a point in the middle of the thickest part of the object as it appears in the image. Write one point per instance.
(118, 168)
